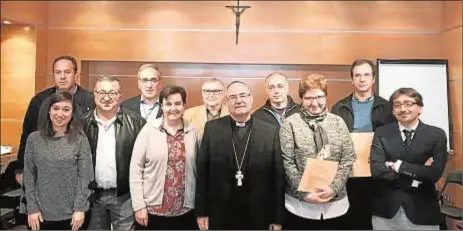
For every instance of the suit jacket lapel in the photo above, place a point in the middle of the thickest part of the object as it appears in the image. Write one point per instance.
(227, 139)
(256, 144)
(138, 104)
(202, 116)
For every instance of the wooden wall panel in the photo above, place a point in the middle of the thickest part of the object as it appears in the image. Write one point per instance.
(25, 12)
(452, 14)
(451, 43)
(41, 58)
(219, 47)
(455, 91)
(324, 15)
(17, 79)
(224, 70)
(11, 133)
(272, 32)
(451, 50)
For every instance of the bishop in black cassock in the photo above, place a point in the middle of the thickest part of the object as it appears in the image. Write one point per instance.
(240, 175)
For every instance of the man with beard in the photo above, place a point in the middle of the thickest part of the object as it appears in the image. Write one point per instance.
(407, 159)
(213, 93)
(111, 131)
(147, 103)
(362, 111)
(240, 176)
(279, 104)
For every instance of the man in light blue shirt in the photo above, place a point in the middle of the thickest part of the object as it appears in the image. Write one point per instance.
(147, 103)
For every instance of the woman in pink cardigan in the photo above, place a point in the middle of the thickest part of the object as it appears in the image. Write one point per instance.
(162, 169)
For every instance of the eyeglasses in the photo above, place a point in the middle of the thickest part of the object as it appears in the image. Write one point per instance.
(273, 87)
(407, 104)
(234, 98)
(102, 94)
(312, 98)
(145, 80)
(212, 91)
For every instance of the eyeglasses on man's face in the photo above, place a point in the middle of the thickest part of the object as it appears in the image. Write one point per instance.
(212, 91)
(110, 94)
(235, 98)
(148, 80)
(407, 104)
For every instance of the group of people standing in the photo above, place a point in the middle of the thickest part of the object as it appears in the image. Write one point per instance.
(89, 161)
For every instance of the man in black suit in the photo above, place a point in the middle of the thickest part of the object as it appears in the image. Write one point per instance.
(407, 159)
(147, 103)
(240, 175)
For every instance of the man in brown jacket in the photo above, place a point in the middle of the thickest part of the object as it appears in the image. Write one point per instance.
(213, 96)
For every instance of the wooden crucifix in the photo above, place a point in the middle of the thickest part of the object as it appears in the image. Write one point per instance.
(238, 11)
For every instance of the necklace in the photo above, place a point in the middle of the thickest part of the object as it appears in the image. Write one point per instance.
(239, 174)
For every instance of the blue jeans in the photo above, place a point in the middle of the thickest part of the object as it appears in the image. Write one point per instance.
(110, 209)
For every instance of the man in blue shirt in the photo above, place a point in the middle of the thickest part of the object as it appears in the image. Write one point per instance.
(362, 111)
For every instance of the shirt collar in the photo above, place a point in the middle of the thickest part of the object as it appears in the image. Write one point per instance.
(212, 116)
(161, 128)
(72, 91)
(354, 97)
(401, 127)
(107, 123)
(143, 101)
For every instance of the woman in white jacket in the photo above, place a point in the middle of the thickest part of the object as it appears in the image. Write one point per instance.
(162, 169)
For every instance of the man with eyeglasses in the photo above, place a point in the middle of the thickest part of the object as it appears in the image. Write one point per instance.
(240, 176)
(111, 131)
(362, 111)
(279, 104)
(213, 107)
(147, 103)
(407, 159)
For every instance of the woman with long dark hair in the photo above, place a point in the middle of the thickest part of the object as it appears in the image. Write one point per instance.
(58, 167)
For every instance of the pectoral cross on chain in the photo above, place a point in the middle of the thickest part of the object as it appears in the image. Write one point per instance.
(239, 177)
(238, 11)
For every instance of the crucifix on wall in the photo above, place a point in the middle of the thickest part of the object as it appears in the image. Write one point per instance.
(238, 11)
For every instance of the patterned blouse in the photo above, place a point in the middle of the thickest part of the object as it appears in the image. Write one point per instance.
(174, 186)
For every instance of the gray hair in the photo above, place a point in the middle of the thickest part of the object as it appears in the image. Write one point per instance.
(214, 80)
(107, 78)
(149, 65)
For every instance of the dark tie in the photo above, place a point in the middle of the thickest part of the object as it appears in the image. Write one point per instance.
(408, 137)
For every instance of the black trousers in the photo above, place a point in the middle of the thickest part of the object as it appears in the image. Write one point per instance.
(359, 192)
(186, 221)
(56, 225)
(294, 222)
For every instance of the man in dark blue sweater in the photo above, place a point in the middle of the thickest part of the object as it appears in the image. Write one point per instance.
(65, 75)
(362, 111)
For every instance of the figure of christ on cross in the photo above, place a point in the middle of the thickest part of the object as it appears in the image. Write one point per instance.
(238, 11)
